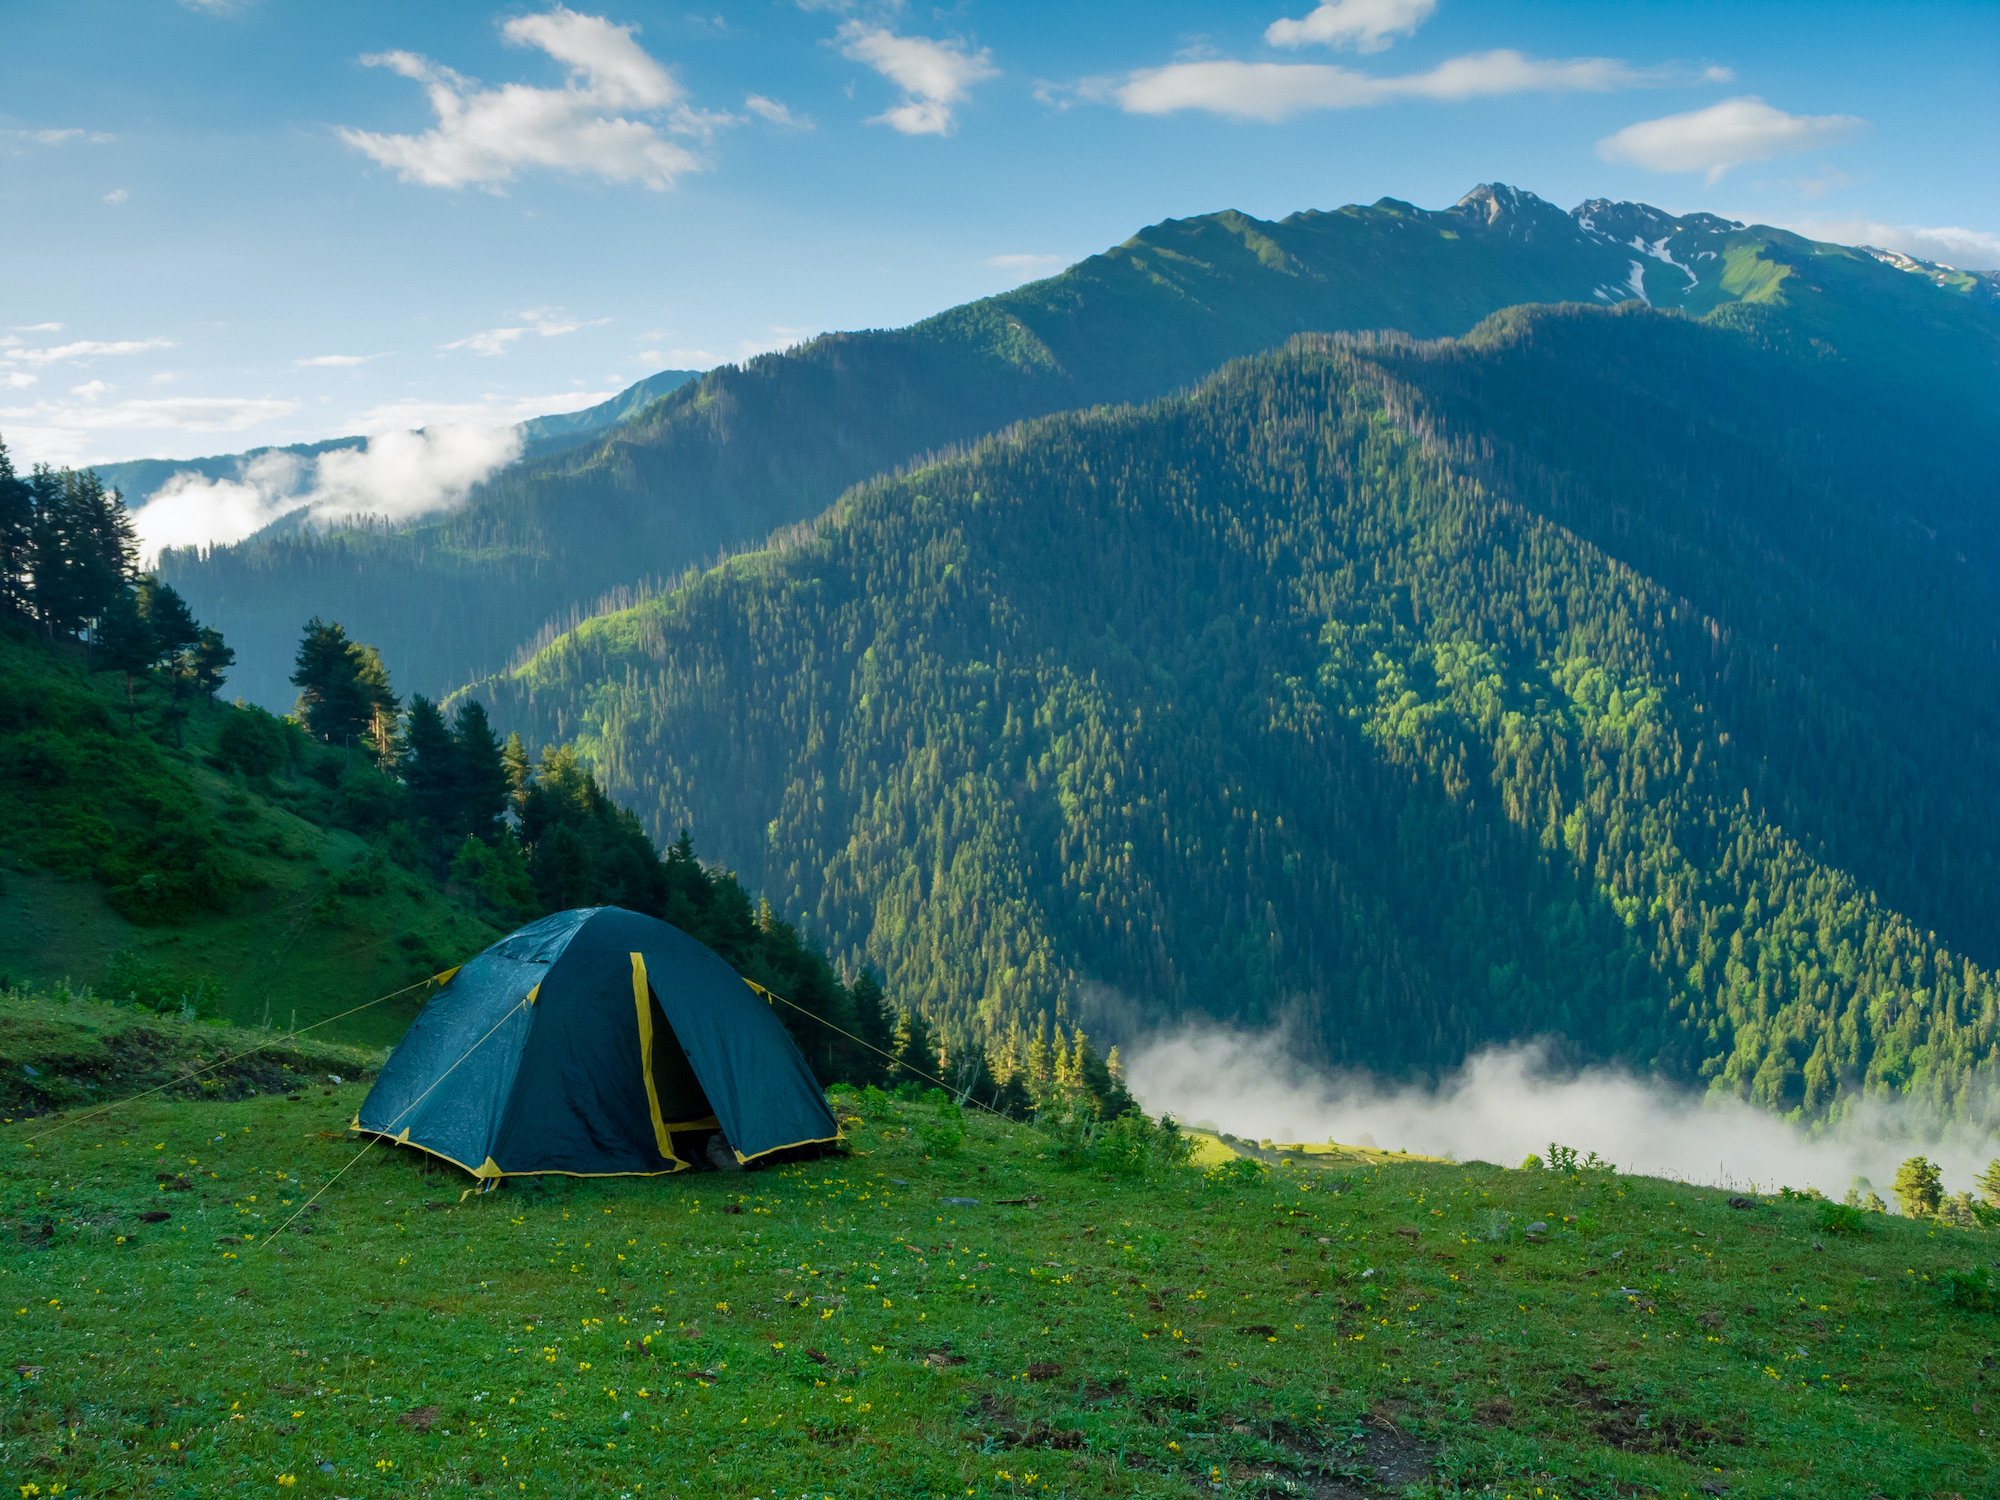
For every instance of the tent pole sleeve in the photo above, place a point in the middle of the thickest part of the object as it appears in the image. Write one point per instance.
(642, 996)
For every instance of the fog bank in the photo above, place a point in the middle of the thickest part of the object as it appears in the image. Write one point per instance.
(1505, 1103)
(398, 475)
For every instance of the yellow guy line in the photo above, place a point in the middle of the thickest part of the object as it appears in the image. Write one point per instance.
(948, 1088)
(520, 1004)
(185, 1078)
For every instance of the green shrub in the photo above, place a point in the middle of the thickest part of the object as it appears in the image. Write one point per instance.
(365, 877)
(1839, 1218)
(253, 742)
(145, 984)
(1238, 1172)
(944, 1133)
(1972, 1290)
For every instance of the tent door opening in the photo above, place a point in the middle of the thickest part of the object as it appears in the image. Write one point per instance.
(685, 1113)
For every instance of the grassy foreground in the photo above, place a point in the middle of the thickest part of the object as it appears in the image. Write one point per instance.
(846, 1328)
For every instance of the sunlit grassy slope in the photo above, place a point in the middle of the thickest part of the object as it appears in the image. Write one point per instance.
(854, 1327)
(310, 920)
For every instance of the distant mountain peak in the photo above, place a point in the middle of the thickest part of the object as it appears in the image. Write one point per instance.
(1507, 209)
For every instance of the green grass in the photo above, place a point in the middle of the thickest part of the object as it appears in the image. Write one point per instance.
(838, 1328)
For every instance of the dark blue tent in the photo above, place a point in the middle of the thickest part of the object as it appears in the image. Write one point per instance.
(595, 1043)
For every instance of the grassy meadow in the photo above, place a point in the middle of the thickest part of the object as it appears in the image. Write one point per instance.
(851, 1327)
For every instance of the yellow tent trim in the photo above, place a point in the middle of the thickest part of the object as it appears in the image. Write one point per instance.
(446, 977)
(818, 1140)
(642, 996)
(532, 994)
(490, 1169)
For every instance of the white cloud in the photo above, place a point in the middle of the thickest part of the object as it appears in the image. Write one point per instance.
(484, 136)
(334, 361)
(397, 474)
(1277, 91)
(1724, 135)
(1365, 25)
(934, 76)
(776, 113)
(690, 359)
(81, 349)
(1028, 267)
(90, 390)
(1967, 249)
(61, 137)
(546, 321)
(18, 380)
(38, 328)
(1505, 1102)
(194, 413)
(116, 195)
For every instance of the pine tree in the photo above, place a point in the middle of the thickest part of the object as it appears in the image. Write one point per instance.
(1918, 1188)
(17, 519)
(430, 766)
(105, 552)
(917, 1054)
(175, 636)
(1041, 1064)
(521, 773)
(871, 1018)
(332, 704)
(126, 643)
(482, 774)
(211, 660)
(1988, 1183)
(380, 706)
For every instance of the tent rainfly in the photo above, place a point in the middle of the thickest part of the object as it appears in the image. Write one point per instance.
(595, 1043)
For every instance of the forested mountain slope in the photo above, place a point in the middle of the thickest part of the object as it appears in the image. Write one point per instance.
(724, 461)
(1595, 676)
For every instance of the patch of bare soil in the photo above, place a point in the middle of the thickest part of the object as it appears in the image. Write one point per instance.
(1645, 1427)
(1380, 1460)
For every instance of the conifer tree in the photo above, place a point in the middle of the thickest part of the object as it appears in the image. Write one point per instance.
(871, 1020)
(17, 517)
(1988, 1183)
(211, 661)
(382, 708)
(126, 643)
(917, 1055)
(332, 705)
(1918, 1188)
(430, 765)
(520, 773)
(482, 773)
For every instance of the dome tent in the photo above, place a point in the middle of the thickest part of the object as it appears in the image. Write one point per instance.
(595, 1043)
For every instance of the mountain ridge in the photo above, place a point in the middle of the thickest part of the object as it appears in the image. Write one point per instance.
(724, 461)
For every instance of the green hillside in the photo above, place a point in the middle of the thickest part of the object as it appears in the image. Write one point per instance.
(1024, 1316)
(1594, 677)
(726, 460)
(178, 879)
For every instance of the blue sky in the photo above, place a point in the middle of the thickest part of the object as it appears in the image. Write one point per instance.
(254, 222)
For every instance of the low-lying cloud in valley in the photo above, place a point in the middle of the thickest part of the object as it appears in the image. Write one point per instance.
(396, 475)
(1505, 1103)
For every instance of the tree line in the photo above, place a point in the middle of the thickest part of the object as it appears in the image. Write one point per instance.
(69, 565)
(534, 835)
